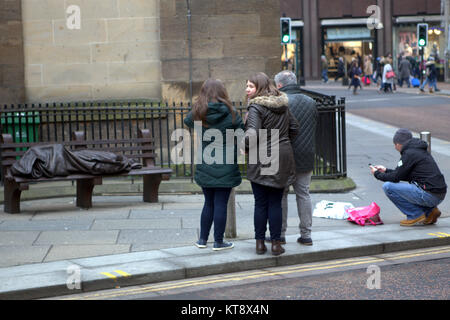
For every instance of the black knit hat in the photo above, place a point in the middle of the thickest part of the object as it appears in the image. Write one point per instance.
(402, 136)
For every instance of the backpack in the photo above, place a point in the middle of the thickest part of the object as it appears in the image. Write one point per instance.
(362, 215)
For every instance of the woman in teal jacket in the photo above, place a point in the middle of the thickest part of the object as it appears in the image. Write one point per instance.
(215, 175)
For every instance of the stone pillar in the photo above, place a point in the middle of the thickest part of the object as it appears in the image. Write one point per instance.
(384, 36)
(387, 26)
(311, 40)
(12, 87)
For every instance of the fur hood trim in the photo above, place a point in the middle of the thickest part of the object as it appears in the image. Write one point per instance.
(271, 102)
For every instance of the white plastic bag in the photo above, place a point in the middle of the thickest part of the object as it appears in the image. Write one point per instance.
(332, 210)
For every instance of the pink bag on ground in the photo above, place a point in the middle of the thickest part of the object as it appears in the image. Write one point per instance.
(362, 215)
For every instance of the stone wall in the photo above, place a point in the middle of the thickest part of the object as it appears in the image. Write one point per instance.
(12, 89)
(113, 56)
(231, 39)
(134, 49)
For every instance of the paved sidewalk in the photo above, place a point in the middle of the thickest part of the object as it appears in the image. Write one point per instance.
(122, 241)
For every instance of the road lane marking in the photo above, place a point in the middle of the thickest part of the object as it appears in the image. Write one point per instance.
(262, 274)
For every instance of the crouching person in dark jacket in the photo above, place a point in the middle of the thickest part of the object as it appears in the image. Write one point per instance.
(419, 198)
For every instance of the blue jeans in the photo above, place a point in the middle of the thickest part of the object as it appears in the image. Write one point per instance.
(410, 199)
(325, 75)
(214, 210)
(431, 83)
(267, 208)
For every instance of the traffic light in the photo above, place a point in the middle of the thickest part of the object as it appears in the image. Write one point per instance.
(422, 34)
(285, 28)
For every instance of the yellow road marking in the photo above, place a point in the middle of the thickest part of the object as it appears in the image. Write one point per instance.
(440, 234)
(259, 274)
(109, 275)
(113, 276)
(419, 254)
(122, 273)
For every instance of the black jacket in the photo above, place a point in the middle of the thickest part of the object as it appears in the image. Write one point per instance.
(432, 73)
(304, 110)
(416, 165)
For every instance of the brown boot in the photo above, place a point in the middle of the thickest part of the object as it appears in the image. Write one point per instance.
(433, 216)
(277, 249)
(260, 247)
(413, 222)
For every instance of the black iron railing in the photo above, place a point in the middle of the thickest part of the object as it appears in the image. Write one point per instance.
(55, 122)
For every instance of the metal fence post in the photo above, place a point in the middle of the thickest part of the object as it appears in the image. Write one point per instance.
(426, 136)
(230, 228)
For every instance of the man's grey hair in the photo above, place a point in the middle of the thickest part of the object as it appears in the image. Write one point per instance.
(285, 78)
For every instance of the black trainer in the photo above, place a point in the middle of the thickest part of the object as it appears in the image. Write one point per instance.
(222, 245)
(201, 243)
(305, 241)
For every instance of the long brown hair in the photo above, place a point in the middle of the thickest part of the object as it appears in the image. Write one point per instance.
(212, 90)
(263, 85)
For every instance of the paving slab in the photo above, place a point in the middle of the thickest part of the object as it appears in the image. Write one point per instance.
(159, 236)
(46, 225)
(136, 224)
(77, 237)
(22, 254)
(14, 238)
(63, 252)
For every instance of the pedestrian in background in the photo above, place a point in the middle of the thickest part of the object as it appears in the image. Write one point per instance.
(355, 75)
(303, 108)
(324, 68)
(215, 111)
(404, 72)
(431, 76)
(368, 69)
(340, 69)
(388, 76)
(426, 188)
(378, 71)
(268, 109)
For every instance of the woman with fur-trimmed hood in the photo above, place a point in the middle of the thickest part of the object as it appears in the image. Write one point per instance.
(269, 127)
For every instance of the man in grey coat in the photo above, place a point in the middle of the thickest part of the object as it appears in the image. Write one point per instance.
(304, 110)
(405, 72)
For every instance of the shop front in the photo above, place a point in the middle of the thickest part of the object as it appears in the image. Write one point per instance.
(405, 41)
(347, 41)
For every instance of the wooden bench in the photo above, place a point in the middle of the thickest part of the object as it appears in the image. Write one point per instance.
(142, 148)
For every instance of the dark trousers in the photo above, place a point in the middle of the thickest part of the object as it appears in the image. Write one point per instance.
(267, 208)
(400, 82)
(214, 210)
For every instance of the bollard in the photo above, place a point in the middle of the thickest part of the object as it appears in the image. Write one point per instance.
(230, 228)
(426, 136)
